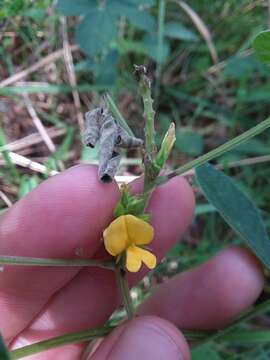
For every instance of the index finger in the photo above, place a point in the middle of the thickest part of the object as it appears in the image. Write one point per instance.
(63, 217)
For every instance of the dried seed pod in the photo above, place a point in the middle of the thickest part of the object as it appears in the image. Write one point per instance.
(92, 127)
(100, 125)
(126, 141)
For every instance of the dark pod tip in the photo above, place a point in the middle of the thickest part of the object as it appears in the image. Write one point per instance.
(106, 178)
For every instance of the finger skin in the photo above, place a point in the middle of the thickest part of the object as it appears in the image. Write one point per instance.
(90, 298)
(59, 220)
(212, 295)
(144, 338)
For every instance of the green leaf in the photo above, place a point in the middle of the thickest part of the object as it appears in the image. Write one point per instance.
(96, 31)
(178, 31)
(76, 7)
(189, 143)
(129, 46)
(37, 14)
(3, 350)
(261, 45)
(238, 67)
(140, 19)
(205, 352)
(141, 2)
(150, 42)
(236, 209)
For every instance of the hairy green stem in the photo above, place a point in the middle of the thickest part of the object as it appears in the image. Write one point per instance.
(149, 115)
(216, 152)
(121, 277)
(25, 261)
(257, 310)
(151, 169)
(84, 335)
(91, 334)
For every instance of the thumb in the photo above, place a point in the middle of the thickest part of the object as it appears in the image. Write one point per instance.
(144, 338)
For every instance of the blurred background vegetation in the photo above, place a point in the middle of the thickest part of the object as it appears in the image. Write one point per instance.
(56, 59)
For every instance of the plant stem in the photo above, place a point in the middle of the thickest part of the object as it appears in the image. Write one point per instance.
(151, 170)
(149, 114)
(216, 152)
(92, 334)
(161, 20)
(117, 114)
(121, 277)
(25, 261)
(257, 310)
(84, 335)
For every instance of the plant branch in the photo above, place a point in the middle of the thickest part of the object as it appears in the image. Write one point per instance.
(121, 277)
(91, 334)
(151, 169)
(38, 347)
(25, 261)
(257, 310)
(216, 152)
(149, 114)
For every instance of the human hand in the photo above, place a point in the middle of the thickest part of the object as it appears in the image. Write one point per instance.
(63, 218)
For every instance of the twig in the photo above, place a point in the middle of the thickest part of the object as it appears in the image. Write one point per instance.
(221, 65)
(202, 28)
(245, 162)
(29, 164)
(6, 200)
(40, 64)
(41, 129)
(32, 139)
(71, 73)
(38, 124)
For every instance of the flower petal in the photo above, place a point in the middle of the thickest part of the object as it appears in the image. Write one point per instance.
(146, 257)
(139, 231)
(116, 236)
(133, 262)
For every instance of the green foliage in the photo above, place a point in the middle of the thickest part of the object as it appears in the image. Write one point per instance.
(10, 8)
(236, 209)
(178, 31)
(36, 11)
(140, 38)
(190, 143)
(261, 45)
(100, 23)
(89, 34)
(205, 352)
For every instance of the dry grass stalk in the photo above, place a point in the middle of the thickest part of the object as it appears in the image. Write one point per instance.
(38, 65)
(71, 73)
(202, 28)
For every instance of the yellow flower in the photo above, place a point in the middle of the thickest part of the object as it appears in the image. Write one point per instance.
(124, 234)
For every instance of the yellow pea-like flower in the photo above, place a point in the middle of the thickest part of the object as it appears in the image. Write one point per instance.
(124, 234)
